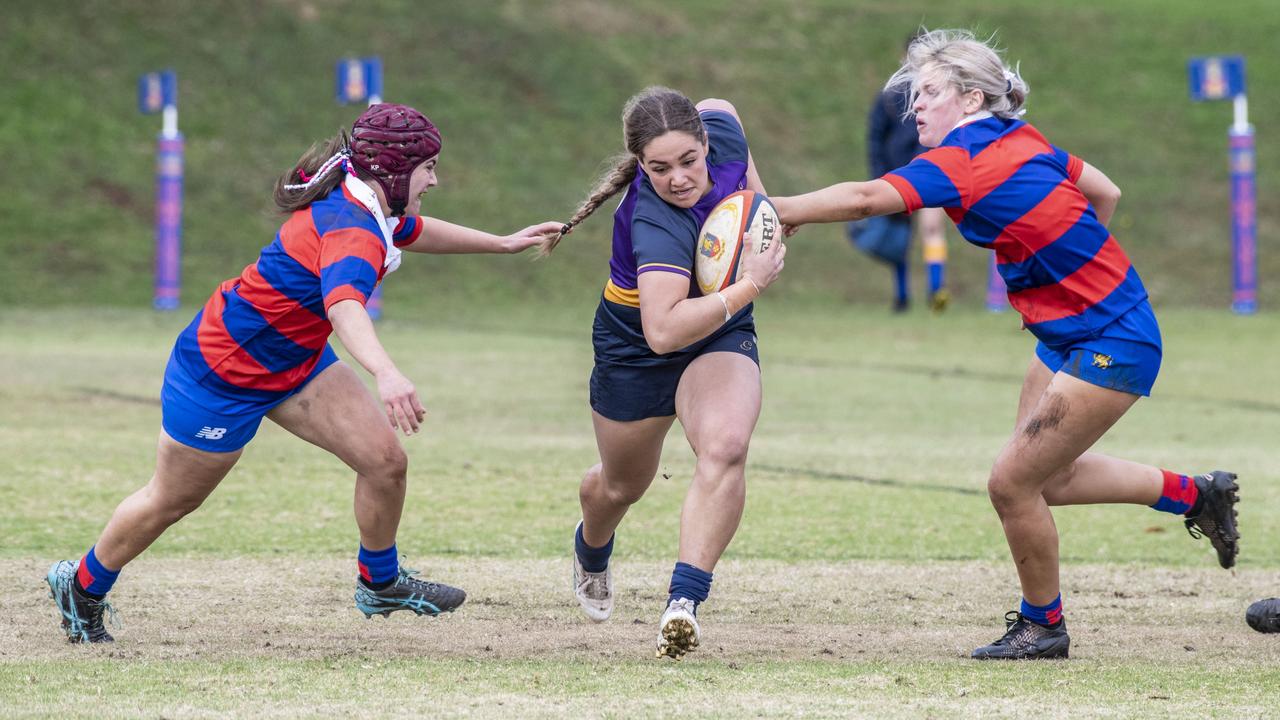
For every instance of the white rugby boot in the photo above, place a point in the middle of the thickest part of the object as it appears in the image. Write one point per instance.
(593, 590)
(678, 630)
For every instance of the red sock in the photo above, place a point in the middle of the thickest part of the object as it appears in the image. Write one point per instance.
(1179, 494)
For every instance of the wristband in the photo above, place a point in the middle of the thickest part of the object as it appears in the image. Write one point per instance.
(725, 303)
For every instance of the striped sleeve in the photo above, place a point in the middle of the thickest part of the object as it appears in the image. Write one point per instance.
(660, 248)
(937, 178)
(349, 262)
(408, 230)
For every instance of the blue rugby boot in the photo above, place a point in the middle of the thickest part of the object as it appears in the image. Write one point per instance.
(81, 614)
(1025, 640)
(408, 593)
(1264, 615)
(1217, 517)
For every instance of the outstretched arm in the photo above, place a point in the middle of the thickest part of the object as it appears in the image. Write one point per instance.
(1103, 194)
(441, 237)
(840, 202)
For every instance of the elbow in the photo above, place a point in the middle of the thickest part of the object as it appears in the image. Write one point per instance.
(659, 341)
(859, 207)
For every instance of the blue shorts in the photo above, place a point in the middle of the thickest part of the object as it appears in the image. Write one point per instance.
(631, 391)
(1124, 355)
(208, 420)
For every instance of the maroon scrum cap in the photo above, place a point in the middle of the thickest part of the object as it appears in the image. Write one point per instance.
(388, 141)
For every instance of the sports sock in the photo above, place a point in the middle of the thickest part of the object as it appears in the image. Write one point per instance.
(593, 559)
(900, 282)
(1046, 615)
(936, 277)
(94, 579)
(1179, 496)
(689, 582)
(378, 568)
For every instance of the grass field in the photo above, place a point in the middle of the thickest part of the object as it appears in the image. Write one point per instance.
(868, 564)
(528, 93)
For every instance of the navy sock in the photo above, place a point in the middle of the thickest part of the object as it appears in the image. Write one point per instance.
(593, 560)
(1046, 615)
(689, 582)
(378, 568)
(94, 579)
(900, 282)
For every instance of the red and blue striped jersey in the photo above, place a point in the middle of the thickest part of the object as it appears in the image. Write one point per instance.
(1007, 189)
(261, 333)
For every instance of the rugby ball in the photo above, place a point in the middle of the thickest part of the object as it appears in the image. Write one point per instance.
(745, 219)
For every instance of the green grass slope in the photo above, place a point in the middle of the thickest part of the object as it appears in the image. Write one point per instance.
(528, 96)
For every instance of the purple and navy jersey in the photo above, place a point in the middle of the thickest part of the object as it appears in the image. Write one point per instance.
(1007, 189)
(262, 333)
(650, 235)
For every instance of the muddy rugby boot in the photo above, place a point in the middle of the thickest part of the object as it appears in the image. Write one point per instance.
(1217, 517)
(678, 630)
(408, 593)
(81, 614)
(593, 590)
(1025, 640)
(1264, 615)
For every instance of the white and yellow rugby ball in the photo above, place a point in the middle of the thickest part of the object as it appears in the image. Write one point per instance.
(745, 218)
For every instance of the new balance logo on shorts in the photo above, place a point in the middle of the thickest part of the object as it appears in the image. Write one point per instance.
(211, 433)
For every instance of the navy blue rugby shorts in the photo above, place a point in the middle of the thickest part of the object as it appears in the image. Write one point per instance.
(628, 389)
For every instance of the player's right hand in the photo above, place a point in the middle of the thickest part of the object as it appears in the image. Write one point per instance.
(763, 268)
(400, 401)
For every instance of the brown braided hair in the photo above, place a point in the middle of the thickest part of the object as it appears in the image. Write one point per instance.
(650, 113)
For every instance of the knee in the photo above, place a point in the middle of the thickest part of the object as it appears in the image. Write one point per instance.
(169, 508)
(723, 453)
(596, 487)
(1005, 493)
(386, 464)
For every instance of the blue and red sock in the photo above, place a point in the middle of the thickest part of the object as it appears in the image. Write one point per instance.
(378, 568)
(1046, 615)
(593, 559)
(1179, 495)
(689, 582)
(94, 579)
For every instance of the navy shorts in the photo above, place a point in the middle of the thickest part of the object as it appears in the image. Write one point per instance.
(628, 391)
(1124, 355)
(204, 419)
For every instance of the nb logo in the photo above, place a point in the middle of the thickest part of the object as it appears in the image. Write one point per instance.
(211, 433)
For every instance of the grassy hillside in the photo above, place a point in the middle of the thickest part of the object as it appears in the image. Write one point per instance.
(528, 96)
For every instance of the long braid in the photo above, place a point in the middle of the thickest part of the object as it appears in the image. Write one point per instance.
(649, 114)
(610, 183)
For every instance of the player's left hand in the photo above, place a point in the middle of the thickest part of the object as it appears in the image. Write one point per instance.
(533, 235)
(789, 230)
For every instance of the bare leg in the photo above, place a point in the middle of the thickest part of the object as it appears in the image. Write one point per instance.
(718, 403)
(629, 457)
(1093, 478)
(184, 477)
(1054, 430)
(335, 411)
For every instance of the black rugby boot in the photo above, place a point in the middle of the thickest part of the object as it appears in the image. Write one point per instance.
(408, 593)
(1025, 640)
(1216, 520)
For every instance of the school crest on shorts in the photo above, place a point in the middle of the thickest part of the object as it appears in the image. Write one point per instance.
(1101, 361)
